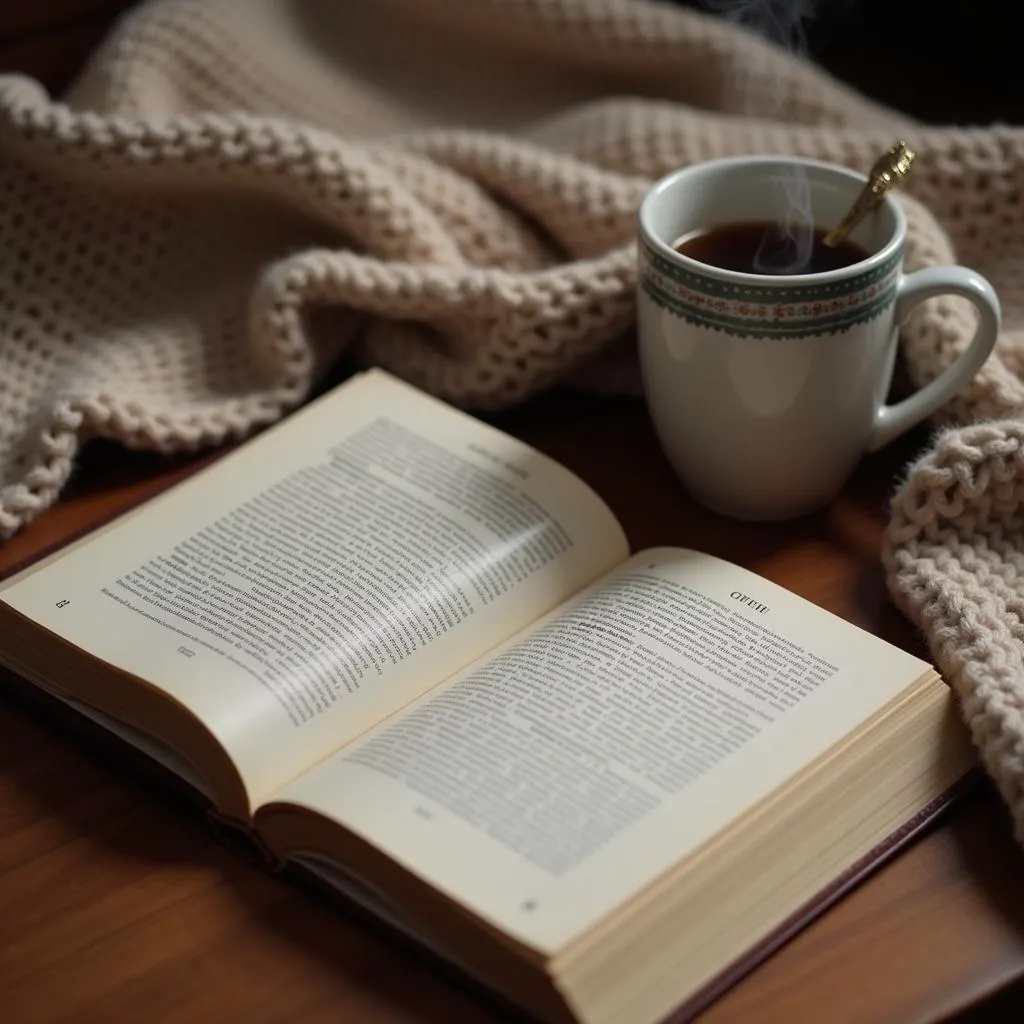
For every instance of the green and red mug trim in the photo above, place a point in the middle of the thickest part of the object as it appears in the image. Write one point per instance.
(779, 311)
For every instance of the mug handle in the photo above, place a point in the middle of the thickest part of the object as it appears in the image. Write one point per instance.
(893, 420)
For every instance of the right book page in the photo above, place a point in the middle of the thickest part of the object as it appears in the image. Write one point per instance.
(549, 782)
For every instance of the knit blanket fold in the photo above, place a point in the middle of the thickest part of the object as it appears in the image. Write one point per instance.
(231, 194)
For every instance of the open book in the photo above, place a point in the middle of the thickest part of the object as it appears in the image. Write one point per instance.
(416, 657)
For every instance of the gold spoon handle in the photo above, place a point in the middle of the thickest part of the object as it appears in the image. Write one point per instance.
(889, 170)
(867, 201)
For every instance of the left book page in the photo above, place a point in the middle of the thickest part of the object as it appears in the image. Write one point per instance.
(327, 573)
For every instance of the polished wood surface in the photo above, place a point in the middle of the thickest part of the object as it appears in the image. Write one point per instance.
(118, 904)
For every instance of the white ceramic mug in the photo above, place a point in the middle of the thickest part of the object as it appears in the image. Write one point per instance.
(765, 391)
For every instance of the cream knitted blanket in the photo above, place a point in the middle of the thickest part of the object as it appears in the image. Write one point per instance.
(232, 191)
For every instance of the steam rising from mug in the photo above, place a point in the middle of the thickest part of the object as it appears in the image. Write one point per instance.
(787, 246)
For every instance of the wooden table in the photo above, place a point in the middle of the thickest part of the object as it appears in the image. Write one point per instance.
(117, 905)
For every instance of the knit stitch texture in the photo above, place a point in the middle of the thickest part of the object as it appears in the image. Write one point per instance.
(232, 192)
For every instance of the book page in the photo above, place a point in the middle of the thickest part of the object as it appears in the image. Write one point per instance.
(550, 782)
(327, 573)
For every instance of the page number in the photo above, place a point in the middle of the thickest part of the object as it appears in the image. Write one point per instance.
(63, 603)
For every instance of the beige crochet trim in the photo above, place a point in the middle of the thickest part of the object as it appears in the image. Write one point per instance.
(955, 564)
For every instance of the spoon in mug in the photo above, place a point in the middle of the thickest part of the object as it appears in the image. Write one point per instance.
(889, 170)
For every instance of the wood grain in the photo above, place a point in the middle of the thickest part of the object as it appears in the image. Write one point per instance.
(116, 903)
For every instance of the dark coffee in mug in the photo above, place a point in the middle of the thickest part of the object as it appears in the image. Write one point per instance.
(761, 247)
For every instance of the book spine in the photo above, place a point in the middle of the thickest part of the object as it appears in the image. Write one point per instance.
(241, 839)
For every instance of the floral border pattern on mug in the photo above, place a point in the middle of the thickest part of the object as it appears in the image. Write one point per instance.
(771, 311)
